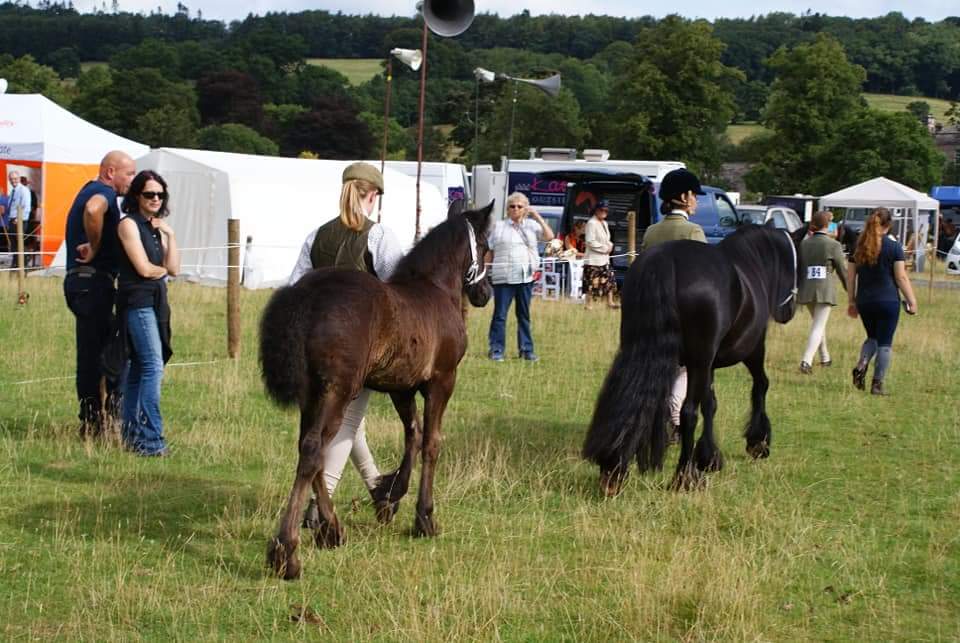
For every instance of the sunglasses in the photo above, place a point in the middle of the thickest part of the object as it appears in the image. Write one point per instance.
(150, 196)
(514, 205)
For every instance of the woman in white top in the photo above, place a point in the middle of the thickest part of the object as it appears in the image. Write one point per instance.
(598, 277)
(514, 257)
(351, 241)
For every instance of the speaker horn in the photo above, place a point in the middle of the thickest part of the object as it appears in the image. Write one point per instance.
(484, 75)
(448, 17)
(550, 85)
(3, 85)
(412, 58)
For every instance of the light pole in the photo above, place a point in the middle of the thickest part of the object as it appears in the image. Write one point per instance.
(412, 59)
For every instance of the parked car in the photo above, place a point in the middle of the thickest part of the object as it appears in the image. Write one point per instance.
(784, 218)
(628, 192)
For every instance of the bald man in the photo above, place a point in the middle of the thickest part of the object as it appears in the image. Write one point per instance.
(92, 250)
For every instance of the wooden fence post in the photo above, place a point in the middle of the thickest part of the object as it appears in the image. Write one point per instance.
(22, 296)
(233, 287)
(631, 235)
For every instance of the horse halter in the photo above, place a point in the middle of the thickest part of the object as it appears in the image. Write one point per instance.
(793, 291)
(474, 274)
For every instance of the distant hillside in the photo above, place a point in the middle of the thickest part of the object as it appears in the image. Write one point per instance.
(357, 70)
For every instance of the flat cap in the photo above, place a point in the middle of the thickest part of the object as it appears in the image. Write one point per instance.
(365, 172)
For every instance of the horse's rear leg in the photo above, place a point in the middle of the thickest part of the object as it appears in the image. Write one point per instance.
(394, 485)
(706, 454)
(319, 421)
(436, 395)
(758, 432)
(687, 475)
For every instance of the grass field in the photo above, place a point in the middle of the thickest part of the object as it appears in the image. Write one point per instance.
(890, 103)
(357, 70)
(847, 532)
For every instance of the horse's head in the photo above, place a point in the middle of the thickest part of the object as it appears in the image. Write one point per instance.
(476, 282)
(787, 272)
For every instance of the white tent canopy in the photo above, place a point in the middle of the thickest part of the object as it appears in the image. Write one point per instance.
(278, 202)
(34, 128)
(882, 192)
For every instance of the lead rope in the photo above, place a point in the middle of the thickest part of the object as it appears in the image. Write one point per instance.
(474, 274)
(793, 251)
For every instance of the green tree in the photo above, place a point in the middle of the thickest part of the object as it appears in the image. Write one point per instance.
(26, 76)
(234, 137)
(873, 143)
(399, 139)
(815, 92)
(540, 121)
(920, 109)
(166, 126)
(673, 101)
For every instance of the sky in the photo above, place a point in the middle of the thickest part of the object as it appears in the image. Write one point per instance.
(931, 10)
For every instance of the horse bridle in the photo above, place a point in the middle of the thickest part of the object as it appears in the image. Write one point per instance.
(793, 251)
(474, 273)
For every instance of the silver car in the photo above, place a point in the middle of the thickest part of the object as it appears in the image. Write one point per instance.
(784, 218)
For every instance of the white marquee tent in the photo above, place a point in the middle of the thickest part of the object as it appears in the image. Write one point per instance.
(911, 205)
(58, 151)
(278, 201)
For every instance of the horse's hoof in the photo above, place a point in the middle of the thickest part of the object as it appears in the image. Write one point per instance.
(611, 483)
(759, 450)
(329, 535)
(284, 563)
(688, 479)
(424, 527)
(711, 464)
(385, 511)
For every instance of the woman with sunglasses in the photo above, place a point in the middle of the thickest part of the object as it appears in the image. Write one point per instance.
(149, 256)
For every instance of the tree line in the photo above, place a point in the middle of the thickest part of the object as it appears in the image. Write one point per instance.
(643, 88)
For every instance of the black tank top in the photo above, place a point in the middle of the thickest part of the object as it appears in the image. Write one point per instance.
(134, 290)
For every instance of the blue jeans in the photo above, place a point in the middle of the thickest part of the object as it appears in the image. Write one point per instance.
(142, 424)
(503, 296)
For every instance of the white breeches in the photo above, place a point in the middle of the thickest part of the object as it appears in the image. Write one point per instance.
(818, 333)
(351, 441)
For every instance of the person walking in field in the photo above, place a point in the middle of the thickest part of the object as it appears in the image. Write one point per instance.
(678, 202)
(876, 276)
(823, 257)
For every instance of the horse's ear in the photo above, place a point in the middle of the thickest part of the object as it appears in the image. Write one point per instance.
(770, 224)
(456, 208)
(480, 219)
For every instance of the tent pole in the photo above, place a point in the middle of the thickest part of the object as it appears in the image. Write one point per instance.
(233, 287)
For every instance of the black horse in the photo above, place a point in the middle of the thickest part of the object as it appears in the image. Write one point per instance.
(703, 307)
(334, 332)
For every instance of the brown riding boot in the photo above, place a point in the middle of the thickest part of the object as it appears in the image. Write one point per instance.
(876, 387)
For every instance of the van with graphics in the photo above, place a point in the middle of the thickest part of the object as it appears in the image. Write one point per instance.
(626, 192)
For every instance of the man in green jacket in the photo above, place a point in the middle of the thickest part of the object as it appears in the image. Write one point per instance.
(823, 257)
(678, 196)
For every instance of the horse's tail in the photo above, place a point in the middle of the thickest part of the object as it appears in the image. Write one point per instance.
(630, 417)
(283, 358)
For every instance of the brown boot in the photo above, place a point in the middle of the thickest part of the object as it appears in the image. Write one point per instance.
(860, 377)
(876, 387)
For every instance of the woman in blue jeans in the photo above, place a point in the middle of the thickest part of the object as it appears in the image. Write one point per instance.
(875, 274)
(149, 255)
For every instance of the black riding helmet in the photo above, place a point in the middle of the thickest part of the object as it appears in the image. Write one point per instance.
(677, 183)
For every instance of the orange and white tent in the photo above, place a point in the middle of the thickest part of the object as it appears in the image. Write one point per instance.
(58, 151)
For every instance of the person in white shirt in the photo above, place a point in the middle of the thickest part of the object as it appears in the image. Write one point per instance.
(18, 204)
(598, 278)
(512, 258)
(351, 242)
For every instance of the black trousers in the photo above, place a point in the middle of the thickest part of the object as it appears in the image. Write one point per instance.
(91, 299)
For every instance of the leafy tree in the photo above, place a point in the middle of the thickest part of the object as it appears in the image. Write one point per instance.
(166, 126)
(674, 100)
(234, 137)
(153, 53)
(94, 99)
(953, 114)
(540, 121)
(65, 61)
(920, 109)
(873, 143)
(332, 130)
(815, 92)
(229, 96)
(399, 139)
(435, 143)
(25, 76)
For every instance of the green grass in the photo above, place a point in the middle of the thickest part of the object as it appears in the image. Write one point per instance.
(891, 103)
(736, 133)
(90, 64)
(847, 532)
(357, 70)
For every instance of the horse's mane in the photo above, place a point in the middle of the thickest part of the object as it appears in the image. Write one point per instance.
(753, 247)
(435, 253)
